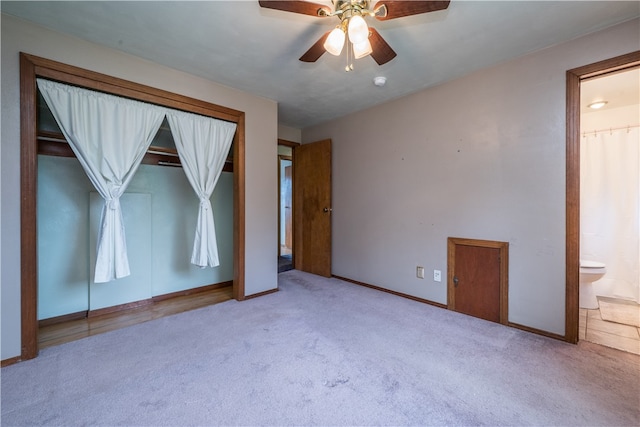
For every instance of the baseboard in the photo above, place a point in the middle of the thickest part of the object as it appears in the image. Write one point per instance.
(10, 361)
(117, 308)
(389, 291)
(261, 294)
(61, 319)
(193, 291)
(510, 324)
(538, 331)
(128, 306)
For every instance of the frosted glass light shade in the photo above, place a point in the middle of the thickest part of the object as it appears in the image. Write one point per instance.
(334, 42)
(358, 29)
(361, 50)
(597, 105)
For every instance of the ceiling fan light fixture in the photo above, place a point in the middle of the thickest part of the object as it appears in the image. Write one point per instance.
(335, 41)
(360, 50)
(351, 14)
(358, 29)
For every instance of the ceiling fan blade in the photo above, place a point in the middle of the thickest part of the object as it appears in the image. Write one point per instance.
(316, 50)
(400, 8)
(302, 7)
(381, 51)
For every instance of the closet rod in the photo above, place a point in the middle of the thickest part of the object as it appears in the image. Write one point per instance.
(175, 165)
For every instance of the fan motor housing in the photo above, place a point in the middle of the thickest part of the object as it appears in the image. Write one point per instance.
(349, 6)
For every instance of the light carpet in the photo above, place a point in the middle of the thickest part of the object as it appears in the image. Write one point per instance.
(619, 311)
(322, 352)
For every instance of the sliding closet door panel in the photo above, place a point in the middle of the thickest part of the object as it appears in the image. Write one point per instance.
(63, 237)
(136, 212)
(173, 217)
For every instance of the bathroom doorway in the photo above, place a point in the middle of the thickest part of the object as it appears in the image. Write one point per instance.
(591, 219)
(609, 210)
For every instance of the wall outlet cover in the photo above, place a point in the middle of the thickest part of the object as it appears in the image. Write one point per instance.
(437, 276)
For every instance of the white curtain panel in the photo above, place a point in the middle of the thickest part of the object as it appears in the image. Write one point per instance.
(610, 209)
(203, 144)
(109, 136)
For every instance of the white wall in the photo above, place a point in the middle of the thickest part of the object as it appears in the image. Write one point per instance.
(289, 133)
(598, 120)
(480, 157)
(261, 134)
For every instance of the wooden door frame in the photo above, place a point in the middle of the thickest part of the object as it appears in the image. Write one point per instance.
(293, 146)
(572, 258)
(503, 247)
(32, 67)
(282, 157)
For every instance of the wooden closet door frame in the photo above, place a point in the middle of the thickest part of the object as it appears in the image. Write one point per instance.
(32, 67)
(572, 257)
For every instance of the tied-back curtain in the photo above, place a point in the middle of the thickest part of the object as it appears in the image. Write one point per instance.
(203, 144)
(109, 135)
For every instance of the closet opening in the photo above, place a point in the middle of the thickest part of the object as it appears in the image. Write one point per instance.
(40, 139)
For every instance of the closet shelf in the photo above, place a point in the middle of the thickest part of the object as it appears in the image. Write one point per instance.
(55, 144)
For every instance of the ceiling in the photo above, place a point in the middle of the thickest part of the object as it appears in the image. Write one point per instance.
(241, 45)
(619, 90)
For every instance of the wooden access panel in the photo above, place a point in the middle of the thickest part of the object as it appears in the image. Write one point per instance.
(477, 280)
(312, 207)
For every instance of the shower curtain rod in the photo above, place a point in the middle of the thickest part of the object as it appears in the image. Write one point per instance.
(611, 129)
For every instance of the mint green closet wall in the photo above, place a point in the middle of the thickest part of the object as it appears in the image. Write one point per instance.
(63, 239)
(162, 220)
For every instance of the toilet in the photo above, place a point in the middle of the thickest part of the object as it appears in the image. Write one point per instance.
(590, 271)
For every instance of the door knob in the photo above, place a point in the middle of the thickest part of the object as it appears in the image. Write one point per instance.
(327, 210)
(455, 281)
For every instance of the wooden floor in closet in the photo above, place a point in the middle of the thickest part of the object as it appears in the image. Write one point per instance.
(61, 333)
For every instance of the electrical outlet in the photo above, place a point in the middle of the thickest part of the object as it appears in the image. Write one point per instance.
(437, 276)
(420, 272)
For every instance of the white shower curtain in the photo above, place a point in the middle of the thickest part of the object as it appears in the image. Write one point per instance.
(109, 136)
(610, 209)
(203, 144)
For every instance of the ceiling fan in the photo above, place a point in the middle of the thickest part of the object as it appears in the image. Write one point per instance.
(364, 40)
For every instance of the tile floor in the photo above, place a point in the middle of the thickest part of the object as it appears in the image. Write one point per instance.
(594, 329)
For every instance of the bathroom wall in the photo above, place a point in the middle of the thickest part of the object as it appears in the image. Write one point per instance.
(610, 198)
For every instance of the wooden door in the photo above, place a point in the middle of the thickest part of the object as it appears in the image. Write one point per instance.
(477, 278)
(312, 207)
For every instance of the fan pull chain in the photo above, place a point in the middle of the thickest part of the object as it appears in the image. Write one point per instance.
(349, 66)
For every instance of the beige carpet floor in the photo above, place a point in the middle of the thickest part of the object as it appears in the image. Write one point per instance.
(322, 352)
